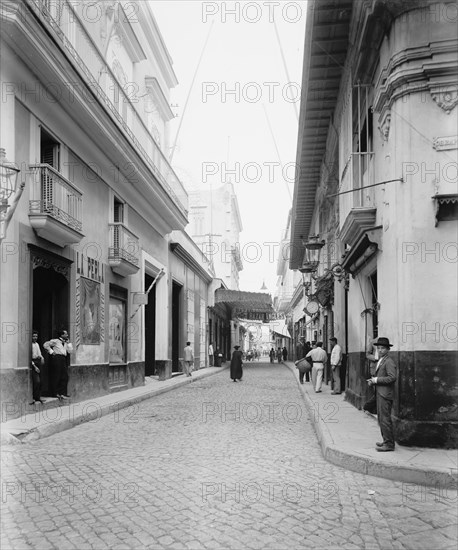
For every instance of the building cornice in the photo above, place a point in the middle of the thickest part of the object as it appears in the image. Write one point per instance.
(188, 260)
(28, 39)
(152, 84)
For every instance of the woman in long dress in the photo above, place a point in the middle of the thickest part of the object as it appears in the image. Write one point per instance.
(236, 364)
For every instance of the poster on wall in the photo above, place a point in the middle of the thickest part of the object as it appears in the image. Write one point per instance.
(90, 311)
(116, 331)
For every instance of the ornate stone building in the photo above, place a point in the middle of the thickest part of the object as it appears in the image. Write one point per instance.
(376, 191)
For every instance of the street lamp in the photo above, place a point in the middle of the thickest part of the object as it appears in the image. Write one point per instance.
(8, 186)
(312, 254)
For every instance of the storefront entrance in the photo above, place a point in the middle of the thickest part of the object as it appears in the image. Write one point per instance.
(150, 328)
(50, 304)
(176, 292)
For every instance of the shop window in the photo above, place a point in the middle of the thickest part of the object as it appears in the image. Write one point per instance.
(117, 325)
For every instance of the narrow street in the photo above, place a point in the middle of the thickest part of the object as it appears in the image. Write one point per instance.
(213, 465)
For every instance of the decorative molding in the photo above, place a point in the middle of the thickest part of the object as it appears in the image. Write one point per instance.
(77, 312)
(418, 70)
(445, 99)
(384, 126)
(158, 98)
(44, 260)
(128, 38)
(445, 143)
(356, 223)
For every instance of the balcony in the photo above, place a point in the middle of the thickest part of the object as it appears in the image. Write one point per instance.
(56, 206)
(123, 256)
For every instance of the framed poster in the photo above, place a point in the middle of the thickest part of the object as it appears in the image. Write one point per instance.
(117, 331)
(90, 311)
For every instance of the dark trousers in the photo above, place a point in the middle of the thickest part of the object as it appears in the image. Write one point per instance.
(36, 381)
(371, 404)
(384, 419)
(60, 375)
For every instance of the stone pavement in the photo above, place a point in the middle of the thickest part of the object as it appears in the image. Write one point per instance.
(347, 437)
(212, 465)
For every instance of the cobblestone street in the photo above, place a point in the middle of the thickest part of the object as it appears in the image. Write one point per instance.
(213, 464)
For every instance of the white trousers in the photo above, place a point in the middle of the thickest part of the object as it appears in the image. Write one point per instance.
(317, 376)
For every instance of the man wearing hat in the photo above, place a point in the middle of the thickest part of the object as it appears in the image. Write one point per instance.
(383, 381)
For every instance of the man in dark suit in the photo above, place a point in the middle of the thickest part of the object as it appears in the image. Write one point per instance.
(383, 381)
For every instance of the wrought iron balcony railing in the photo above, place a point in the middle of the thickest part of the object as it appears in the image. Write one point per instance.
(124, 245)
(55, 196)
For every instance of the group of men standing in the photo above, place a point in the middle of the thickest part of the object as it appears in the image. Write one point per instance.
(383, 378)
(59, 350)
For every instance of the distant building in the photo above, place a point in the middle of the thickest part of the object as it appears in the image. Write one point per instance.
(215, 225)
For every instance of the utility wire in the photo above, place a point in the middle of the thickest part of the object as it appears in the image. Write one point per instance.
(285, 66)
(189, 92)
(276, 148)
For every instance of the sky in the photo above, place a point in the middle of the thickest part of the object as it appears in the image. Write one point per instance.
(240, 122)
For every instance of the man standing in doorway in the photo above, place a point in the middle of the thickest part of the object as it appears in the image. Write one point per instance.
(37, 363)
(210, 355)
(59, 351)
(336, 362)
(188, 359)
(384, 379)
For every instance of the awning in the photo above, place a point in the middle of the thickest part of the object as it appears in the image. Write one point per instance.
(281, 330)
(246, 305)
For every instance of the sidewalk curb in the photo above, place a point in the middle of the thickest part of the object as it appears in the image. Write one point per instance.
(144, 392)
(368, 465)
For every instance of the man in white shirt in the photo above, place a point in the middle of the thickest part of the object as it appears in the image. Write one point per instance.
(210, 355)
(319, 358)
(336, 362)
(37, 363)
(188, 359)
(59, 351)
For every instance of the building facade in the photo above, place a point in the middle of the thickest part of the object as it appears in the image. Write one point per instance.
(192, 291)
(376, 193)
(84, 114)
(215, 225)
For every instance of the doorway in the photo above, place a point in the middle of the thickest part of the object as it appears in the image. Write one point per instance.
(176, 295)
(50, 312)
(150, 328)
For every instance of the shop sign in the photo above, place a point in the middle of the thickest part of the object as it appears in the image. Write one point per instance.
(89, 268)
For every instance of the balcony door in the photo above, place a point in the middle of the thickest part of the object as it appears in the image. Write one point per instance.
(49, 154)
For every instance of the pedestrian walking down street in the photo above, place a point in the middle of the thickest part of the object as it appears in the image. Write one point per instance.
(37, 362)
(384, 379)
(59, 351)
(236, 364)
(188, 359)
(284, 352)
(307, 348)
(336, 363)
(279, 355)
(272, 355)
(319, 358)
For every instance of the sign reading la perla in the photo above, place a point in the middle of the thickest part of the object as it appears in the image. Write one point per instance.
(89, 267)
